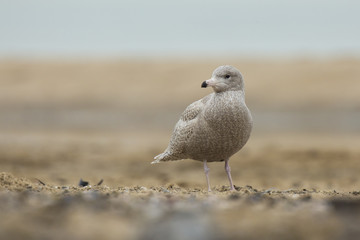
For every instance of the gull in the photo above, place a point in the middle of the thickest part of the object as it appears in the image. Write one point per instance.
(215, 127)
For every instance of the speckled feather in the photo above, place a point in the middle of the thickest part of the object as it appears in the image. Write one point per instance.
(214, 127)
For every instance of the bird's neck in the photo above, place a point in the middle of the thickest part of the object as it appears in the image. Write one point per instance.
(229, 92)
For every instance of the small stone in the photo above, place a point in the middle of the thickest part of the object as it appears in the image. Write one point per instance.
(83, 183)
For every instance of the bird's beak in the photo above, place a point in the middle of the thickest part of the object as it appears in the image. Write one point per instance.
(204, 84)
(209, 82)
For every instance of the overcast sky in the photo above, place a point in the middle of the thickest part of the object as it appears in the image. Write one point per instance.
(181, 28)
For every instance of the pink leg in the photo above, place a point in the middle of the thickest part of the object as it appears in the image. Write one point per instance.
(206, 169)
(227, 169)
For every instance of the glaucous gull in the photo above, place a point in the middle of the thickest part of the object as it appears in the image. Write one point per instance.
(215, 127)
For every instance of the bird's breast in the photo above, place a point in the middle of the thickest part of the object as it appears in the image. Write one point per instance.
(225, 127)
(226, 112)
(222, 129)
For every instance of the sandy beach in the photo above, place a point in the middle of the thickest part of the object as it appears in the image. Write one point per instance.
(66, 120)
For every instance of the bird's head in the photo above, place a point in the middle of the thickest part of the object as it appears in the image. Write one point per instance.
(225, 78)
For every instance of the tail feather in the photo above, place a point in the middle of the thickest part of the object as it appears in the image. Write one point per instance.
(163, 157)
(159, 157)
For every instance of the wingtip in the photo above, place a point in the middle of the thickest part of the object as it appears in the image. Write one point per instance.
(157, 160)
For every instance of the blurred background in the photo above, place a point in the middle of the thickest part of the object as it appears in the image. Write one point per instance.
(92, 89)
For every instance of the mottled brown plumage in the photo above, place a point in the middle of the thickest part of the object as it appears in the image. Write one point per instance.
(214, 127)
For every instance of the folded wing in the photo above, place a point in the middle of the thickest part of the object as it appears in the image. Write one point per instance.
(183, 130)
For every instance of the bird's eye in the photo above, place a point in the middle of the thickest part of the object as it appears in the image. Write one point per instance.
(227, 76)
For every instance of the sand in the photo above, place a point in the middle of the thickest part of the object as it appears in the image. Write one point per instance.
(60, 121)
(33, 209)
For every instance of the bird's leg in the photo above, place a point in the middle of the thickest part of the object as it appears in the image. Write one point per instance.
(206, 169)
(227, 169)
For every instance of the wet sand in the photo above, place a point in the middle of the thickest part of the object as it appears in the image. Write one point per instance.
(60, 121)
